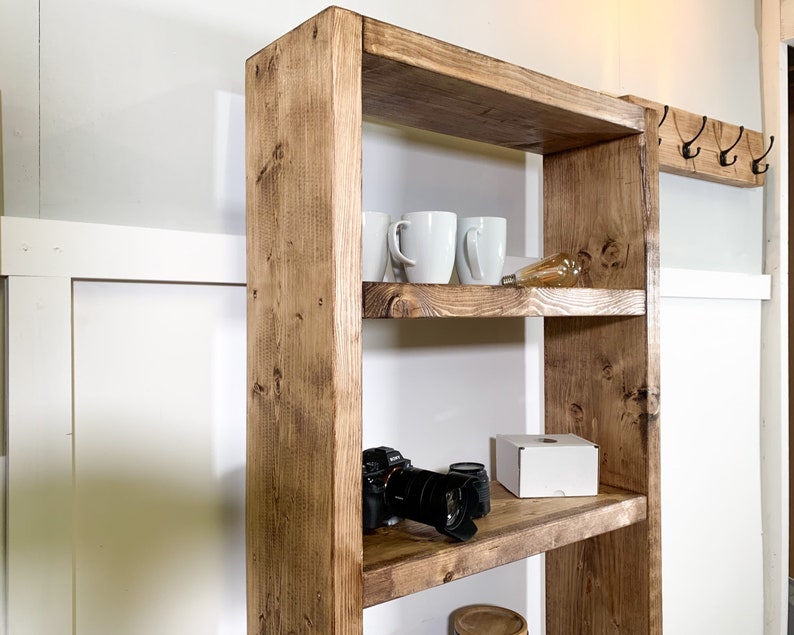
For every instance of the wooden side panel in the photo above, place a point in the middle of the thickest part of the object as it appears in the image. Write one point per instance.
(599, 586)
(303, 180)
(602, 379)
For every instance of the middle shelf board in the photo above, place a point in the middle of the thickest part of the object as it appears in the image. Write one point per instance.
(402, 300)
(410, 557)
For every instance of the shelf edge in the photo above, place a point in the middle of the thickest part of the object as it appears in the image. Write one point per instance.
(390, 582)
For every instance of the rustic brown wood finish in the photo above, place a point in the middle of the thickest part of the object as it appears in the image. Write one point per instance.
(602, 378)
(410, 557)
(309, 568)
(680, 126)
(303, 510)
(397, 300)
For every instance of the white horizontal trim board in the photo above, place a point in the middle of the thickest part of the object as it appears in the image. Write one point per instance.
(63, 249)
(692, 283)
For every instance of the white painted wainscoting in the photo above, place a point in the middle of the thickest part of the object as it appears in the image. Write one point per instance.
(126, 438)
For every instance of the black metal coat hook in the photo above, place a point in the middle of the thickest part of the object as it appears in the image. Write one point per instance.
(661, 121)
(756, 162)
(724, 154)
(686, 149)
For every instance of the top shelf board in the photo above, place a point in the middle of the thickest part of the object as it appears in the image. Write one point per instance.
(417, 81)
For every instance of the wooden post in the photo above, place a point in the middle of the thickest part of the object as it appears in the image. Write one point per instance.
(602, 379)
(303, 183)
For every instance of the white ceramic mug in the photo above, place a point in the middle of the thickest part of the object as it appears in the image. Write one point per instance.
(480, 251)
(424, 242)
(374, 250)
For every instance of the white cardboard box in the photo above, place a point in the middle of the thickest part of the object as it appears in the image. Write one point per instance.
(542, 465)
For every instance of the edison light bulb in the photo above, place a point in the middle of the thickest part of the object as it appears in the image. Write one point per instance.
(559, 270)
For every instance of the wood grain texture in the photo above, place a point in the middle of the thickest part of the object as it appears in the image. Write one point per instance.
(304, 105)
(417, 81)
(607, 594)
(650, 543)
(680, 126)
(399, 300)
(602, 378)
(303, 473)
(410, 557)
(786, 20)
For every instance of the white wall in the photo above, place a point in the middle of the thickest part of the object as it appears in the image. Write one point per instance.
(130, 112)
(146, 74)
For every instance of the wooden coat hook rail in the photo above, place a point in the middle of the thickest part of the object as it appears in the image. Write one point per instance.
(705, 148)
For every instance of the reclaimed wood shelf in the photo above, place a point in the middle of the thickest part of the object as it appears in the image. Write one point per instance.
(410, 557)
(425, 83)
(306, 96)
(403, 300)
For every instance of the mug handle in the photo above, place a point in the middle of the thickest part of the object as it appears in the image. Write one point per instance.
(473, 253)
(394, 244)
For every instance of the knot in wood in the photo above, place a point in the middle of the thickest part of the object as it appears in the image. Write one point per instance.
(584, 260)
(398, 307)
(575, 414)
(612, 254)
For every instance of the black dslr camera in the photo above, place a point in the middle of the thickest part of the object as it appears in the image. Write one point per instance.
(393, 489)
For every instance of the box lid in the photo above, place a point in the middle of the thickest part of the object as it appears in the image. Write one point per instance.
(525, 441)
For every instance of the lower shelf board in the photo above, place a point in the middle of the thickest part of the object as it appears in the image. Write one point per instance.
(410, 557)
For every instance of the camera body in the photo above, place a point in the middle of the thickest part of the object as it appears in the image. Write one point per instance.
(377, 465)
(393, 489)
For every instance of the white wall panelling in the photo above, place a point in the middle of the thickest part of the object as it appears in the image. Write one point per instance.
(49, 248)
(154, 364)
(39, 532)
(688, 283)
(159, 458)
(113, 252)
(712, 564)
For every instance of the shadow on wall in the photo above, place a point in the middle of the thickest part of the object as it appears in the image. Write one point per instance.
(150, 556)
(408, 170)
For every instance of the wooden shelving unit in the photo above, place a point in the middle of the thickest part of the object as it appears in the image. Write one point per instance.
(309, 568)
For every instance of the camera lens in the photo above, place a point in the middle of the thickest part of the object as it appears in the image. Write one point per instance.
(444, 501)
(453, 506)
(483, 486)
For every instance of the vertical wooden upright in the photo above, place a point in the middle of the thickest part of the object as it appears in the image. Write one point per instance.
(303, 185)
(602, 378)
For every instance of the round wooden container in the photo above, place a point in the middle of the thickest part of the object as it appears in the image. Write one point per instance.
(482, 619)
